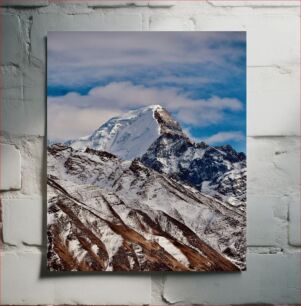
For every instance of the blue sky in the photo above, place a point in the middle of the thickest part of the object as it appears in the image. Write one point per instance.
(200, 77)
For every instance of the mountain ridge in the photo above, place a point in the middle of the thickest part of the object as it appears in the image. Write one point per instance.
(139, 195)
(108, 208)
(153, 136)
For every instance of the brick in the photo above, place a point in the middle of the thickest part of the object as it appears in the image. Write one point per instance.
(22, 117)
(13, 46)
(260, 219)
(24, 3)
(11, 83)
(23, 221)
(131, 288)
(160, 3)
(21, 280)
(273, 89)
(250, 3)
(23, 99)
(32, 168)
(24, 283)
(294, 220)
(273, 165)
(170, 23)
(286, 160)
(19, 116)
(10, 167)
(33, 159)
(34, 101)
(267, 214)
(268, 279)
(270, 32)
(44, 23)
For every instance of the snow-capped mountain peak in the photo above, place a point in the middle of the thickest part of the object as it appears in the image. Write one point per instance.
(131, 134)
(138, 195)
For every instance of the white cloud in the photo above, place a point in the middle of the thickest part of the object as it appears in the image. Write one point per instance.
(82, 57)
(194, 59)
(75, 115)
(68, 122)
(184, 80)
(223, 137)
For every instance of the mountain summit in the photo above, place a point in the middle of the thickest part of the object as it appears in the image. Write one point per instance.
(131, 134)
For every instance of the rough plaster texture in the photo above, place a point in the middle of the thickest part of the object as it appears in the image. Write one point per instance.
(273, 30)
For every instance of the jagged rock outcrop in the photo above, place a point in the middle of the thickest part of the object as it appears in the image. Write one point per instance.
(217, 171)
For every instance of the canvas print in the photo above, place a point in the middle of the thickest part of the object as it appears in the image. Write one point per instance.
(146, 152)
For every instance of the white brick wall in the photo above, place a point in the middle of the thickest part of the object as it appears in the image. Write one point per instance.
(273, 151)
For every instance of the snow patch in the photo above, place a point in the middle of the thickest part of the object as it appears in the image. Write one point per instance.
(172, 250)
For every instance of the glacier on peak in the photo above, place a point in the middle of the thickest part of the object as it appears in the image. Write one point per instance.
(127, 136)
(131, 134)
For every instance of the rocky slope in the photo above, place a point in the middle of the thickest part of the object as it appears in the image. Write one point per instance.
(105, 214)
(217, 171)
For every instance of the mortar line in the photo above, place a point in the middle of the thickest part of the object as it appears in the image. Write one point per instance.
(1, 129)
